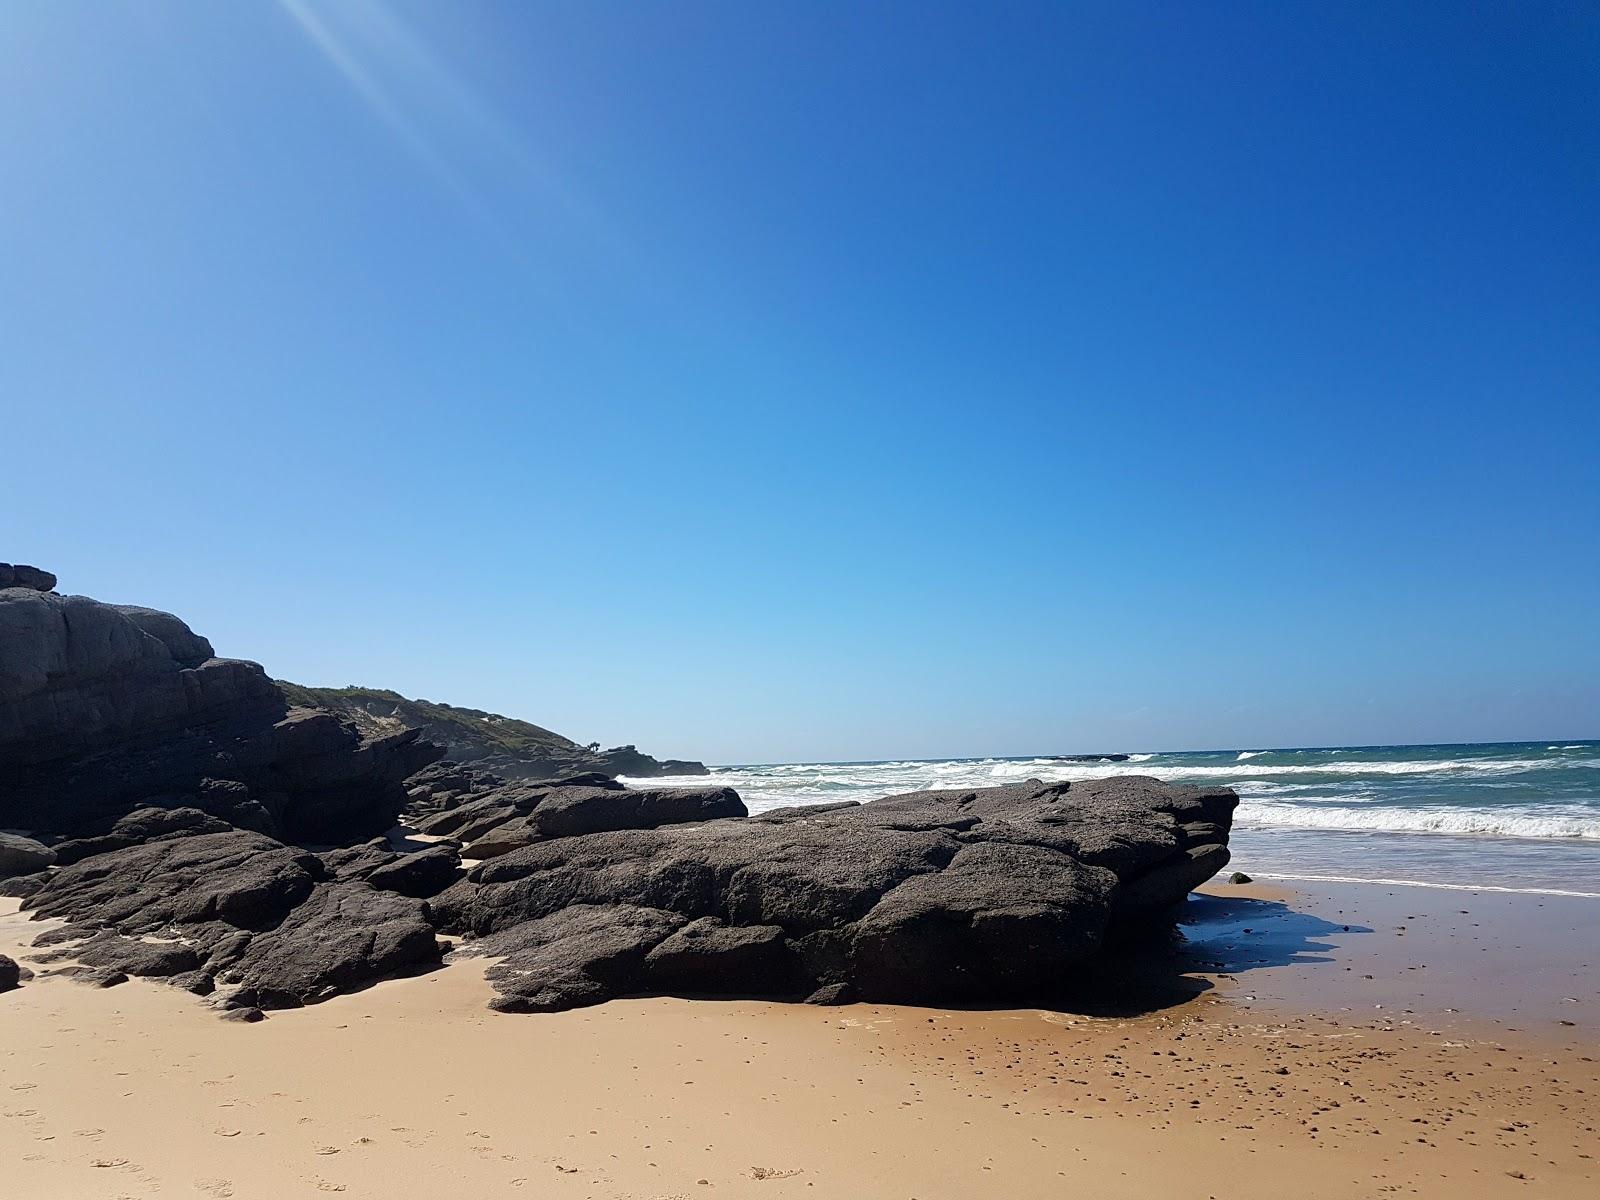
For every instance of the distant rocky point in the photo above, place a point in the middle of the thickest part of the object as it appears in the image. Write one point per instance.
(504, 746)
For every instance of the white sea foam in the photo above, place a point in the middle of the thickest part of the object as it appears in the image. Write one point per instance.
(1523, 822)
(1523, 795)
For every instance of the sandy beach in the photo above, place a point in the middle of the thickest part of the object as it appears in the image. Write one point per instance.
(1452, 1057)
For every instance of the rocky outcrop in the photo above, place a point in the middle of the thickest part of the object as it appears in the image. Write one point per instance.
(235, 908)
(176, 793)
(209, 884)
(140, 826)
(1001, 894)
(492, 816)
(106, 708)
(486, 741)
(32, 578)
(420, 874)
(998, 894)
(521, 814)
(345, 936)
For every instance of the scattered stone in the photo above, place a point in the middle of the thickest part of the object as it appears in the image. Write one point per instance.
(1240, 877)
(22, 856)
(23, 886)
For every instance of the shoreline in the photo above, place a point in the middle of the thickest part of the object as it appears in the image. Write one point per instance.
(1285, 877)
(412, 1087)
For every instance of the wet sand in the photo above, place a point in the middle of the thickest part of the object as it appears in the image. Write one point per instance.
(1277, 1075)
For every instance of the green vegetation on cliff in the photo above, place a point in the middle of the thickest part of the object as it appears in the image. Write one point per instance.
(488, 740)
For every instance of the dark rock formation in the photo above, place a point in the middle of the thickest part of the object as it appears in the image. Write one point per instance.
(132, 956)
(235, 906)
(22, 856)
(10, 972)
(579, 955)
(32, 578)
(420, 874)
(575, 808)
(346, 935)
(108, 708)
(493, 817)
(178, 780)
(750, 959)
(997, 894)
(140, 826)
(23, 885)
(210, 885)
(487, 741)
(100, 977)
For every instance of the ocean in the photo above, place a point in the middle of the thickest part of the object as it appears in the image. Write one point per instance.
(1518, 816)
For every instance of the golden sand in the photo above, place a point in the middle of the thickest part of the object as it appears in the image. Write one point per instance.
(413, 1089)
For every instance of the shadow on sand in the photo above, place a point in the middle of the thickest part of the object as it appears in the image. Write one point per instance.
(1214, 935)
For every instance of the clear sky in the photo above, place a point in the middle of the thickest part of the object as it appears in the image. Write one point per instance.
(766, 382)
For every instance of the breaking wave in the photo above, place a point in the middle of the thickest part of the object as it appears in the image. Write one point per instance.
(1458, 821)
(1513, 813)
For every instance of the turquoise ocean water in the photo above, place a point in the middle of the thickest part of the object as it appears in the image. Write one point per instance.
(1516, 815)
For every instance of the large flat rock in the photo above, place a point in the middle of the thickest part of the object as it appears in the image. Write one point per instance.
(1000, 893)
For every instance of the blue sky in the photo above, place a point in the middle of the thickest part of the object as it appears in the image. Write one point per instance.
(762, 382)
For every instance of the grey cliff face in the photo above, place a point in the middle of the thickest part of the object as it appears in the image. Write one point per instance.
(108, 708)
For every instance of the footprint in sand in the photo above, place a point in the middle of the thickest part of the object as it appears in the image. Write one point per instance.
(226, 1132)
(215, 1187)
(327, 1149)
